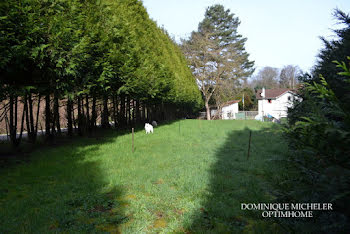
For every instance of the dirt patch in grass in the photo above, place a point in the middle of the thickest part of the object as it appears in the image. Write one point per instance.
(100, 208)
(159, 214)
(160, 223)
(109, 228)
(159, 181)
(179, 211)
(130, 197)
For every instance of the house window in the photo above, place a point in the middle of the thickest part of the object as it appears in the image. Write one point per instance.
(269, 100)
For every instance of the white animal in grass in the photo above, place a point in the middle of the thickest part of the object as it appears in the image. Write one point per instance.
(148, 128)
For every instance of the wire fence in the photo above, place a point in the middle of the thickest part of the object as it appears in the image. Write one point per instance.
(239, 115)
(246, 114)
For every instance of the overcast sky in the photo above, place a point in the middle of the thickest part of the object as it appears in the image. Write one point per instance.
(279, 32)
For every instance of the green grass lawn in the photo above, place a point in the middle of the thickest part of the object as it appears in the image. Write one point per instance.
(190, 176)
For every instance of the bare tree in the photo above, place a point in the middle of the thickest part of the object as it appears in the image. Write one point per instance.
(288, 76)
(267, 77)
(199, 52)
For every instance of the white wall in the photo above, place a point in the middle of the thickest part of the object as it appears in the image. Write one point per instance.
(278, 107)
(228, 112)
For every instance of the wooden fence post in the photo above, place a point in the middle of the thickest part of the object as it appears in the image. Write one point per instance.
(250, 137)
(132, 140)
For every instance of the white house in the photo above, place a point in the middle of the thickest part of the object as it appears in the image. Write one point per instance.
(230, 109)
(275, 102)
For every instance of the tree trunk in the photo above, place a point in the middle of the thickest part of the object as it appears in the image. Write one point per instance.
(80, 118)
(88, 124)
(15, 123)
(11, 126)
(18, 141)
(137, 109)
(115, 110)
(149, 112)
(37, 119)
(122, 118)
(93, 112)
(105, 114)
(31, 131)
(69, 117)
(47, 116)
(7, 127)
(162, 112)
(207, 109)
(54, 117)
(146, 113)
(133, 110)
(73, 116)
(25, 103)
(57, 114)
(143, 112)
(128, 110)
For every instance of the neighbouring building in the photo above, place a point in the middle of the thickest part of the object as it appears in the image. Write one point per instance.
(228, 111)
(275, 102)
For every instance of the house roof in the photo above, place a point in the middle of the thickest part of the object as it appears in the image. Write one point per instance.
(231, 102)
(225, 104)
(272, 93)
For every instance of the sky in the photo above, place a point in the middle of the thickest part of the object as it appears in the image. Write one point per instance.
(279, 32)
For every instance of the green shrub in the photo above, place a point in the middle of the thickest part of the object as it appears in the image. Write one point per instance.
(318, 132)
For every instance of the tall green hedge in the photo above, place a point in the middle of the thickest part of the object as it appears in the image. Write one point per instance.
(97, 50)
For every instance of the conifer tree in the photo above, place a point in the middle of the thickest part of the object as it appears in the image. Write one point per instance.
(216, 52)
(91, 57)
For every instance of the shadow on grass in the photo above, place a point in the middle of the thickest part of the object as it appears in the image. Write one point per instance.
(236, 180)
(61, 190)
(7, 152)
(57, 188)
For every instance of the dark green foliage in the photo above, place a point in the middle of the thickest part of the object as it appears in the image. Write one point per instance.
(337, 50)
(320, 139)
(318, 131)
(222, 24)
(90, 52)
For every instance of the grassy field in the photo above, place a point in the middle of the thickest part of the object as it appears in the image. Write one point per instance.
(190, 176)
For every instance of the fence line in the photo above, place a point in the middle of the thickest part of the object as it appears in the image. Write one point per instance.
(246, 114)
